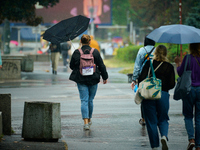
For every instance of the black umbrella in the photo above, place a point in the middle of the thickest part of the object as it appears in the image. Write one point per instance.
(67, 29)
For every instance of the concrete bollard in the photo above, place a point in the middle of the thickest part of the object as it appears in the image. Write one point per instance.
(41, 121)
(1, 131)
(5, 108)
(11, 69)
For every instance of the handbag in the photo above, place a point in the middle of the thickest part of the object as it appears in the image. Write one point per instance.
(183, 85)
(151, 87)
(138, 99)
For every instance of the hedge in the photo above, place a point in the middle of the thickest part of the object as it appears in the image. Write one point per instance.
(129, 53)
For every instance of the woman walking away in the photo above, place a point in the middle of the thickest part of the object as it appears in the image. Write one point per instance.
(156, 111)
(87, 84)
(192, 100)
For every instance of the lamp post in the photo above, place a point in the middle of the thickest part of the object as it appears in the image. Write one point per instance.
(180, 20)
(92, 19)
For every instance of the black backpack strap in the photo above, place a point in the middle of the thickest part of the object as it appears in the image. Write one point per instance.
(148, 54)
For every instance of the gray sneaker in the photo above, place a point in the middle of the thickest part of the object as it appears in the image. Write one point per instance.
(90, 123)
(86, 127)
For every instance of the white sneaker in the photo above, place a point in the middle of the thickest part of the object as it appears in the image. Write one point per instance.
(155, 148)
(164, 143)
(86, 127)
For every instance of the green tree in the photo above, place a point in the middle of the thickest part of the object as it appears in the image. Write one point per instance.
(156, 12)
(193, 18)
(122, 12)
(23, 10)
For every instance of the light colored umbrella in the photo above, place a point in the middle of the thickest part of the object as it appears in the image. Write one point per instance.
(176, 33)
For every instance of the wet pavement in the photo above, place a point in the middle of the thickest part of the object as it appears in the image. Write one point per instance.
(115, 117)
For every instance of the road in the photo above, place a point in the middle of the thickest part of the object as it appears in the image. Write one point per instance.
(115, 118)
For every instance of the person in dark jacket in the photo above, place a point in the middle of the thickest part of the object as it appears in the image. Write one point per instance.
(55, 55)
(156, 111)
(65, 47)
(87, 85)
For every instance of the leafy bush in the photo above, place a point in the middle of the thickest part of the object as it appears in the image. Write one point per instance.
(128, 54)
(174, 50)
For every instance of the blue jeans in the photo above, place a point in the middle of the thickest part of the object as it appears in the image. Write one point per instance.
(156, 115)
(191, 101)
(87, 94)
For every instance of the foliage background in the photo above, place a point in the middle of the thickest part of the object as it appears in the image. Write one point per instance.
(155, 12)
(128, 54)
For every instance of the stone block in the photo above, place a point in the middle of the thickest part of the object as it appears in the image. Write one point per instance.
(11, 69)
(5, 108)
(41, 121)
(27, 65)
(40, 58)
(1, 128)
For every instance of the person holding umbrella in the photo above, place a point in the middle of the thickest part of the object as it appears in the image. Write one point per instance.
(87, 85)
(192, 100)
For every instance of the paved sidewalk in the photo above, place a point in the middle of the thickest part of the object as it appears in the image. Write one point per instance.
(115, 118)
(15, 142)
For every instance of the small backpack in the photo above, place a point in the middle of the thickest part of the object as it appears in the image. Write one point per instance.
(87, 66)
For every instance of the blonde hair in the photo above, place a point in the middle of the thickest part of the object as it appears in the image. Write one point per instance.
(85, 39)
(195, 49)
(160, 53)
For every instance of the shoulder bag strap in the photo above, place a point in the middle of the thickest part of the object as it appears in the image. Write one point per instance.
(158, 67)
(186, 63)
(197, 61)
(147, 55)
(154, 69)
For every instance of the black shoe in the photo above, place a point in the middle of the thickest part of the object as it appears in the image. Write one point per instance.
(55, 72)
(142, 122)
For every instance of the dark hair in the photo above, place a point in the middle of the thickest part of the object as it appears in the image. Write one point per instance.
(195, 49)
(85, 39)
(148, 41)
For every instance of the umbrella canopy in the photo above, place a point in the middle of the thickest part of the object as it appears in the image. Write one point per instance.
(177, 34)
(66, 30)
